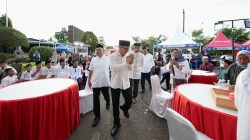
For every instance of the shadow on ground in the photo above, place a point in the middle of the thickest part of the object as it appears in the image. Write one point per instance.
(142, 124)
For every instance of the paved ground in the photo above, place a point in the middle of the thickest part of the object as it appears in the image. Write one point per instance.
(142, 124)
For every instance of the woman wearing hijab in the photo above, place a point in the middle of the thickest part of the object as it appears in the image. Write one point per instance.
(226, 64)
(242, 97)
(179, 68)
(243, 58)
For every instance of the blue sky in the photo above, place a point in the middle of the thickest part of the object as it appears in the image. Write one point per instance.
(121, 19)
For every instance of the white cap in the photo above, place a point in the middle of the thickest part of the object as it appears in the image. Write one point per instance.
(204, 57)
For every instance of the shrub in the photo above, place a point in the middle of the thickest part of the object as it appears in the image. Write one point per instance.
(6, 56)
(45, 52)
(18, 60)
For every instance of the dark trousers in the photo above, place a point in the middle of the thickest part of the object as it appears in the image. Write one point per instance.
(116, 102)
(166, 76)
(143, 77)
(96, 98)
(134, 83)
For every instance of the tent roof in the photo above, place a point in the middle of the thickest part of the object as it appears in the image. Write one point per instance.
(221, 41)
(246, 43)
(62, 47)
(178, 40)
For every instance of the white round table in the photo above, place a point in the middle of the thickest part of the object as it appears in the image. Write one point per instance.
(196, 103)
(41, 109)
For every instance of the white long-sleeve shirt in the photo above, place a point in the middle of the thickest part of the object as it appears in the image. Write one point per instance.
(38, 74)
(9, 80)
(136, 67)
(180, 74)
(76, 73)
(148, 63)
(100, 68)
(119, 71)
(48, 72)
(242, 102)
(63, 72)
(26, 76)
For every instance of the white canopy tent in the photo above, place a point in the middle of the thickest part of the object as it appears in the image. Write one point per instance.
(177, 40)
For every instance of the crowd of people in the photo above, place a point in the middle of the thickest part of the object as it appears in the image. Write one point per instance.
(122, 71)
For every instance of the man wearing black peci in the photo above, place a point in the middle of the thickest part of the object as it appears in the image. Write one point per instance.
(120, 64)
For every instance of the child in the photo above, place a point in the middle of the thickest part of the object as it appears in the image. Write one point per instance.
(26, 76)
(10, 79)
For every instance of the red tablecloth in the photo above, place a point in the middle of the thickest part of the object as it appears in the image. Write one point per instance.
(49, 117)
(203, 79)
(215, 124)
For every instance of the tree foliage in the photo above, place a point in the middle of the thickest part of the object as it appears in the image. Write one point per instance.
(150, 41)
(3, 21)
(10, 39)
(101, 40)
(62, 36)
(199, 37)
(241, 35)
(90, 38)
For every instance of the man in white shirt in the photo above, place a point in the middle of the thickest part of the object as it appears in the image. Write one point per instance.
(26, 76)
(36, 72)
(99, 81)
(120, 64)
(76, 73)
(242, 102)
(10, 79)
(148, 66)
(49, 71)
(62, 71)
(135, 73)
(178, 67)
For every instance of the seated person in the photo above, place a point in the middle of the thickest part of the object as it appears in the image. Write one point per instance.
(62, 71)
(48, 71)
(225, 65)
(206, 66)
(26, 76)
(10, 79)
(232, 72)
(3, 66)
(76, 73)
(36, 72)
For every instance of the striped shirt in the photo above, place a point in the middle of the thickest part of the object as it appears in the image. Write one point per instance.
(232, 73)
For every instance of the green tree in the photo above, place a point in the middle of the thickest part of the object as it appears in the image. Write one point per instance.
(90, 38)
(241, 35)
(136, 38)
(101, 40)
(62, 36)
(150, 41)
(11, 38)
(199, 37)
(3, 21)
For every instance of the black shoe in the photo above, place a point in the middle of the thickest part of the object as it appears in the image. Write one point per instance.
(107, 106)
(95, 122)
(115, 129)
(125, 113)
(142, 91)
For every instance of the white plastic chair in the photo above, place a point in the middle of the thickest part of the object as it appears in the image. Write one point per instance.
(86, 99)
(160, 99)
(181, 129)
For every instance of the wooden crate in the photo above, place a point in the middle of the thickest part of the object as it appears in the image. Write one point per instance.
(222, 99)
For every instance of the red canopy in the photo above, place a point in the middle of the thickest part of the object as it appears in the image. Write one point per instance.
(247, 43)
(220, 42)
